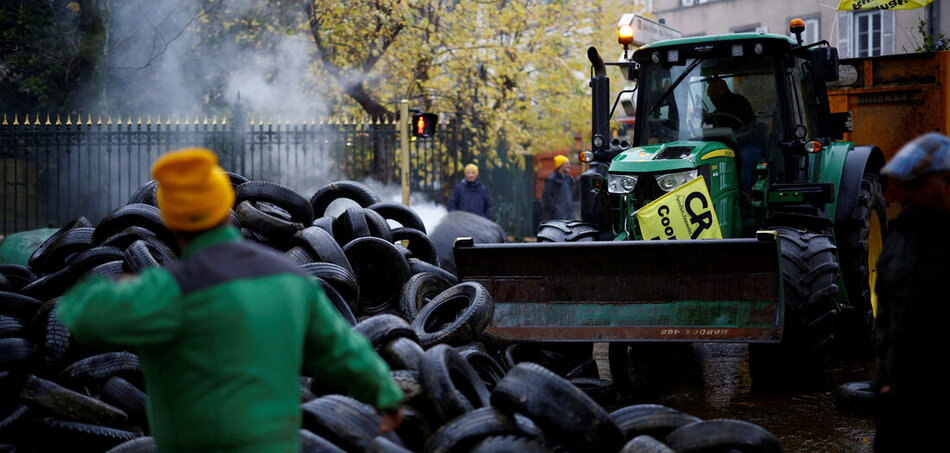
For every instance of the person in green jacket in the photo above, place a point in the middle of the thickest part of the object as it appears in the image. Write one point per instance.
(224, 334)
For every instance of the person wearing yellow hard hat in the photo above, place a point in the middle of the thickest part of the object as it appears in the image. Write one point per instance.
(911, 294)
(471, 195)
(224, 334)
(557, 199)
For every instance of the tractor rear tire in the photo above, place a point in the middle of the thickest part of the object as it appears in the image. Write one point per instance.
(810, 276)
(861, 239)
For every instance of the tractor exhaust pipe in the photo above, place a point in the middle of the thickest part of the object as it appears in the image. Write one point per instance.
(600, 107)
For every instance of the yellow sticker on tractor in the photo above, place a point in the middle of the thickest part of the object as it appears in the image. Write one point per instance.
(685, 213)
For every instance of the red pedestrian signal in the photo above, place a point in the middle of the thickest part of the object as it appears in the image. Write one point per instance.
(423, 124)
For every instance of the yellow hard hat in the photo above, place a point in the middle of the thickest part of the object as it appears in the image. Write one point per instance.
(559, 160)
(194, 193)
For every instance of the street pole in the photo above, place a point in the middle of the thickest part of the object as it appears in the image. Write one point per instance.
(404, 139)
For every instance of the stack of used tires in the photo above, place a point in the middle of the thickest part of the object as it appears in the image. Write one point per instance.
(466, 390)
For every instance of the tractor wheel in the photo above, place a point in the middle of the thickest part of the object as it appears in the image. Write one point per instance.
(861, 238)
(810, 276)
(566, 231)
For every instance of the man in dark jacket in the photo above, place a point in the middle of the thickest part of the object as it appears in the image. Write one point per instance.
(224, 334)
(913, 306)
(730, 106)
(471, 195)
(557, 199)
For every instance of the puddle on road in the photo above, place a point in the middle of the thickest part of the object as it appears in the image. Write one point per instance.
(717, 385)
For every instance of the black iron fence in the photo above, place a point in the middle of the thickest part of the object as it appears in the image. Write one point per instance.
(54, 171)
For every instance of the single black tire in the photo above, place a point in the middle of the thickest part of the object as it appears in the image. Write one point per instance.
(142, 255)
(567, 231)
(417, 266)
(488, 369)
(511, 444)
(236, 179)
(456, 316)
(645, 444)
(122, 394)
(402, 353)
(51, 337)
(452, 384)
(338, 301)
(325, 223)
(401, 213)
(85, 261)
(126, 237)
(312, 443)
(383, 445)
(360, 193)
(855, 397)
(62, 435)
(50, 285)
(349, 225)
(16, 353)
(859, 247)
(378, 227)
(136, 214)
(18, 305)
(17, 275)
(275, 230)
(723, 435)
(144, 444)
(299, 208)
(11, 327)
(111, 269)
(419, 244)
(600, 390)
(652, 420)
(37, 260)
(561, 410)
(339, 277)
(381, 271)
(419, 290)
(146, 194)
(810, 282)
(71, 242)
(97, 369)
(323, 246)
(463, 432)
(344, 421)
(383, 328)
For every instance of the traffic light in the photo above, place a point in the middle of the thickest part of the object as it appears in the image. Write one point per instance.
(423, 124)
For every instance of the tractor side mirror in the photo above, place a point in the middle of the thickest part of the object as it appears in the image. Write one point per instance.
(825, 63)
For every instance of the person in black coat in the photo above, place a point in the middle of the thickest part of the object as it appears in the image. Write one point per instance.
(557, 200)
(471, 195)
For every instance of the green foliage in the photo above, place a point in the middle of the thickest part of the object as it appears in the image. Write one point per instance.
(931, 42)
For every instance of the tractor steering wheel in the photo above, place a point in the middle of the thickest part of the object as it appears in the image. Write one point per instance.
(724, 119)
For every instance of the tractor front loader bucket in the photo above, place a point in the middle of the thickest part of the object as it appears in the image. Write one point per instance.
(727, 290)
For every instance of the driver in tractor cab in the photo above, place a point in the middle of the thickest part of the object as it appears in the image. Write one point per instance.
(731, 108)
(728, 104)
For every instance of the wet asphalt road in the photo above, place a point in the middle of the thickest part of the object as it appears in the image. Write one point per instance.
(716, 384)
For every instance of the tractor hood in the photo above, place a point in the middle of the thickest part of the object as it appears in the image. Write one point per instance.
(668, 157)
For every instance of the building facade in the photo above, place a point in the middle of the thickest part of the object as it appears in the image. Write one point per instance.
(855, 34)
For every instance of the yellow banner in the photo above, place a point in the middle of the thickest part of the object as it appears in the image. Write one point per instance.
(684, 213)
(861, 5)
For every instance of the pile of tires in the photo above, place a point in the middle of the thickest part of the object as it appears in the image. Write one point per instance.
(466, 390)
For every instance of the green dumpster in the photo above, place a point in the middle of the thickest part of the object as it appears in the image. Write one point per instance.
(17, 247)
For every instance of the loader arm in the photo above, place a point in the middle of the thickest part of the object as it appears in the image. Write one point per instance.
(727, 290)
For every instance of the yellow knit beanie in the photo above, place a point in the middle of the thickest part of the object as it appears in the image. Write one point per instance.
(471, 167)
(559, 160)
(194, 193)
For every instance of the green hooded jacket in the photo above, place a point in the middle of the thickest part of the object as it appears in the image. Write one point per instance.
(223, 336)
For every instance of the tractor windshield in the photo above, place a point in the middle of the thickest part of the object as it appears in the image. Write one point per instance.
(732, 100)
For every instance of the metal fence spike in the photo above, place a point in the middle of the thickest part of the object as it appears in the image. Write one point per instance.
(58, 122)
(4, 120)
(15, 121)
(69, 120)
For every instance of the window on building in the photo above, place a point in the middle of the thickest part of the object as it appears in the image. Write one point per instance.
(865, 33)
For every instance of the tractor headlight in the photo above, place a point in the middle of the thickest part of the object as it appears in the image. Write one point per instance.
(621, 183)
(670, 181)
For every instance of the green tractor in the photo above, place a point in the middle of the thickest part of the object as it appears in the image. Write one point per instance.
(801, 215)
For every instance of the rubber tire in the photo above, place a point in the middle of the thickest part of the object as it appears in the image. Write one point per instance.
(344, 421)
(855, 333)
(349, 225)
(341, 305)
(37, 259)
(378, 227)
(417, 266)
(511, 444)
(383, 328)
(488, 369)
(381, 271)
(645, 444)
(138, 445)
(419, 244)
(723, 435)
(123, 395)
(312, 443)
(452, 384)
(17, 275)
(358, 192)
(136, 214)
(146, 194)
(400, 213)
(463, 432)
(323, 246)
(97, 369)
(855, 397)
(567, 231)
(419, 290)
(59, 401)
(340, 278)
(652, 420)
(470, 308)
(275, 230)
(402, 354)
(809, 278)
(301, 211)
(561, 410)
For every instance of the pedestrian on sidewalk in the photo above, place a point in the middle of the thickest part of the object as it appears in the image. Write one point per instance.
(471, 195)
(557, 199)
